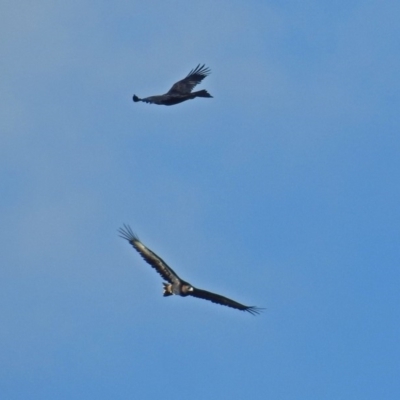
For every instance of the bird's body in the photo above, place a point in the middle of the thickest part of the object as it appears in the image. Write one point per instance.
(181, 90)
(176, 285)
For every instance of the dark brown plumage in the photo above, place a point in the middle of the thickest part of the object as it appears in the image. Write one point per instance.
(175, 284)
(181, 90)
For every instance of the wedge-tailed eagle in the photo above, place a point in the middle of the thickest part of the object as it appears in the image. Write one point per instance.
(175, 284)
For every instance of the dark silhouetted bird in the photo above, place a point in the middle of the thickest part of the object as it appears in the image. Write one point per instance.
(175, 284)
(182, 90)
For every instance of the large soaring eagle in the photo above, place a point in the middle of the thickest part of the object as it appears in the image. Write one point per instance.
(175, 284)
(182, 90)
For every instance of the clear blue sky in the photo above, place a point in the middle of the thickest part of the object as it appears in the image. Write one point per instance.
(283, 191)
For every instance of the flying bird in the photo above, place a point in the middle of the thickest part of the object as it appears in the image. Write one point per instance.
(181, 90)
(175, 284)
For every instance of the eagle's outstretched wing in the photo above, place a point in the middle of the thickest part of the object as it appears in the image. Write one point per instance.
(224, 301)
(187, 84)
(151, 258)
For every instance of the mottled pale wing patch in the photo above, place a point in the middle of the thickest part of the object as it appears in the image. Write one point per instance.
(150, 257)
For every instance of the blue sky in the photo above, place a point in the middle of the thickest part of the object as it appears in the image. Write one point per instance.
(282, 191)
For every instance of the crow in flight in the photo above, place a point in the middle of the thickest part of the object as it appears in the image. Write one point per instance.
(182, 90)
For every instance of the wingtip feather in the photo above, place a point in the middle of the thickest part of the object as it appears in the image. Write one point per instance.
(254, 310)
(127, 234)
(201, 70)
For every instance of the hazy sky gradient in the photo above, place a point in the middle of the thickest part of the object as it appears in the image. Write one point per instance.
(282, 191)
